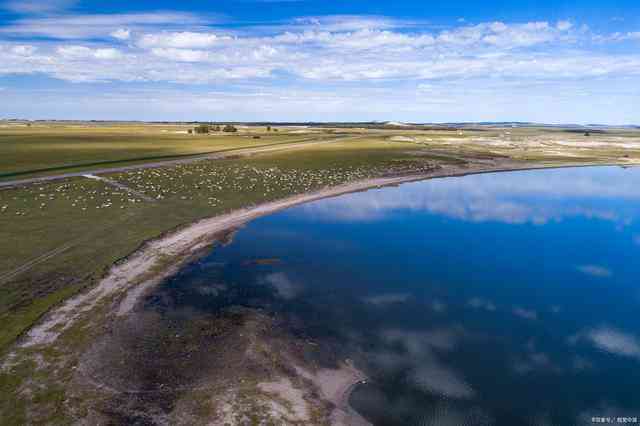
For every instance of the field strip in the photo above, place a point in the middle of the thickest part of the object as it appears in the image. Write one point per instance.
(121, 186)
(216, 155)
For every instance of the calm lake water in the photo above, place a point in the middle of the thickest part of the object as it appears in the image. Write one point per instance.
(507, 298)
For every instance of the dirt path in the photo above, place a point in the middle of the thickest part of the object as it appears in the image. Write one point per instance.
(121, 186)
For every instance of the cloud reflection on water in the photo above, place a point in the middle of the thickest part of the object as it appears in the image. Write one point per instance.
(517, 197)
(595, 271)
(610, 340)
(425, 370)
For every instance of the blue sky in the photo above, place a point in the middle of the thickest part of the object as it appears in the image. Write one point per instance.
(544, 61)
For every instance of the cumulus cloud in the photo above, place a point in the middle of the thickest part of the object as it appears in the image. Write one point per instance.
(121, 34)
(24, 50)
(182, 55)
(505, 35)
(346, 23)
(87, 26)
(595, 271)
(82, 52)
(352, 59)
(564, 25)
(181, 40)
(332, 48)
(38, 6)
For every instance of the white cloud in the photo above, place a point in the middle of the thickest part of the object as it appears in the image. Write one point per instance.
(107, 53)
(353, 59)
(38, 6)
(82, 52)
(181, 40)
(24, 50)
(96, 25)
(617, 37)
(595, 270)
(74, 52)
(345, 23)
(564, 25)
(182, 55)
(339, 48)
(504, 35)
(121, 34)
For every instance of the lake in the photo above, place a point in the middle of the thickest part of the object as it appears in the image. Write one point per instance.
(503, 298)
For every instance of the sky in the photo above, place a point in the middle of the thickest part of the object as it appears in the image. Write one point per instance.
(545, 61)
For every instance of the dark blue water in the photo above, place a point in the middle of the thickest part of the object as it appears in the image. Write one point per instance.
(509, 298)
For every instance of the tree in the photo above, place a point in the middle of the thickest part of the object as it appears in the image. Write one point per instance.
(268, 128)
(229, 128)
(202, 129)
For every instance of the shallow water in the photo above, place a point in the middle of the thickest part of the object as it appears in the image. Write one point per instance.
(506, 298)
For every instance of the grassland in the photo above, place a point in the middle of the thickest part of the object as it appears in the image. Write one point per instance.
(59, 237)
(42, 150)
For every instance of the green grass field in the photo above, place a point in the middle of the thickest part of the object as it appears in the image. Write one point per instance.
(53, 149)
